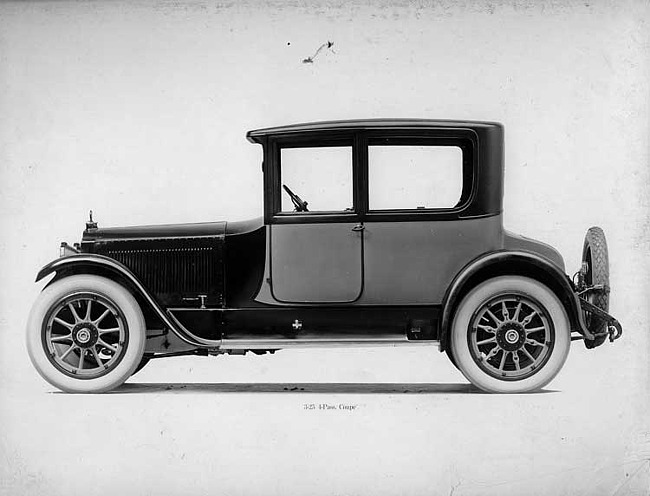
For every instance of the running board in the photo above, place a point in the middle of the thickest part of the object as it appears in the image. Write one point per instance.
(260, 343)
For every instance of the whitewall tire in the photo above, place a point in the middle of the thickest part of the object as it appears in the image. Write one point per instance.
(510, 334)
(85, 334)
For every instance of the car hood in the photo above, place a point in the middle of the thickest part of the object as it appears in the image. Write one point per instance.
(152, 232)
(163, 231)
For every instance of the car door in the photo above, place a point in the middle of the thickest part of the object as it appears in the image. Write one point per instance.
(316, 239)
(415, 240)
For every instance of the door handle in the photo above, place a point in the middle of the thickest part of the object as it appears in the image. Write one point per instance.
(358, 228)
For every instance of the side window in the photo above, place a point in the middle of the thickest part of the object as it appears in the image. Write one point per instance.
(411, 177)
(320, 176)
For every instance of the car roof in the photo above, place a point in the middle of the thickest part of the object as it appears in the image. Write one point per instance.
(367, 124)
(486, 153)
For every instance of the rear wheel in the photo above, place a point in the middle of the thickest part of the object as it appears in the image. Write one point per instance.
(450, 355)
(510, 334)
(86, 334)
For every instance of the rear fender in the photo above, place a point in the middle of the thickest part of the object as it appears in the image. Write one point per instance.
(518, 263)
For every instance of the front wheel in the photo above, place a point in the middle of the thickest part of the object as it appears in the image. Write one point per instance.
(510, 334)
(85, 334)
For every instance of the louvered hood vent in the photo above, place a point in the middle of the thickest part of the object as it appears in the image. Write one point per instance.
(175, 270)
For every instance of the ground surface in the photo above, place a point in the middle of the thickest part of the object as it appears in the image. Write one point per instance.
(395, 420)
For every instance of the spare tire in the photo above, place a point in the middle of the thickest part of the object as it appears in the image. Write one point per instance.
(595, 261)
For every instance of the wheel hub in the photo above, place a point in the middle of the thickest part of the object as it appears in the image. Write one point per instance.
(85, 335)
(511, 336)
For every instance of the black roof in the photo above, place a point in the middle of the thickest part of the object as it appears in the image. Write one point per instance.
(485, 176)
(256, 135)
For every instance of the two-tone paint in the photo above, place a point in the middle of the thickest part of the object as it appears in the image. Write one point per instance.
(311, 279)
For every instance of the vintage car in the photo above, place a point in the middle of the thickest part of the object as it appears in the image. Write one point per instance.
(375, 232)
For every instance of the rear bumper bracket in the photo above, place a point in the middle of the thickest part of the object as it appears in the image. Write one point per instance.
(614, 329)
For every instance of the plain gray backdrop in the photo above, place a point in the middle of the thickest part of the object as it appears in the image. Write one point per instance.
(138, 110)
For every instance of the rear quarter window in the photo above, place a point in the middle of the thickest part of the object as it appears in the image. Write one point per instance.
(414, 177)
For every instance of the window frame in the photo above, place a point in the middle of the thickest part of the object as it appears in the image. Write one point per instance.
(273, 181)
(466, 140)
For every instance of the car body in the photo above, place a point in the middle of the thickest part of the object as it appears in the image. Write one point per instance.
(407, 228)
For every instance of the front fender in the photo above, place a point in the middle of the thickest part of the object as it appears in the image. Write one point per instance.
(89, 263)
(85, 260)
(507, 262)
